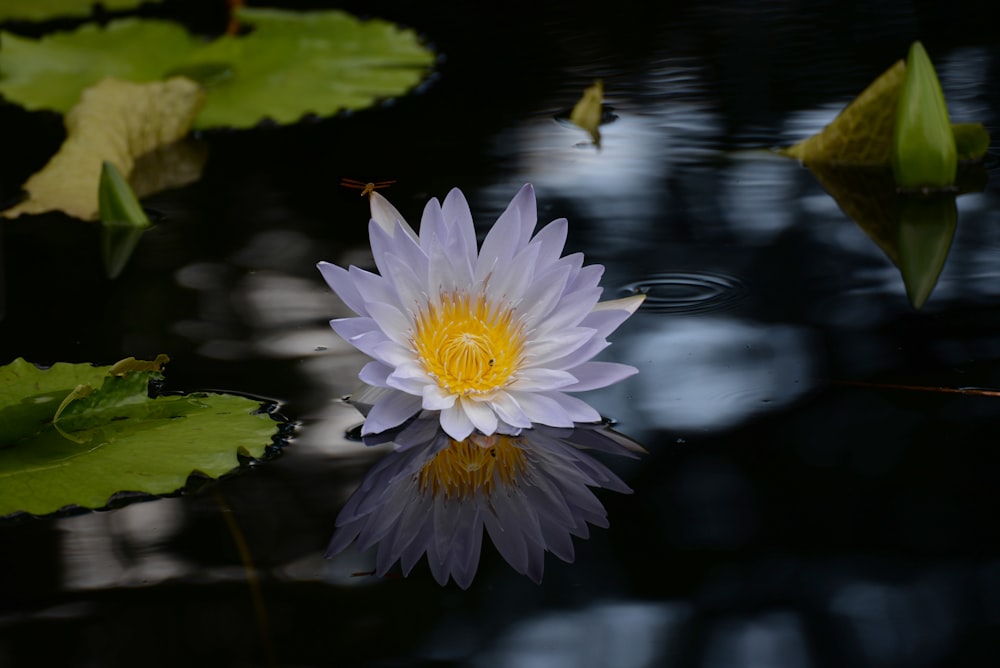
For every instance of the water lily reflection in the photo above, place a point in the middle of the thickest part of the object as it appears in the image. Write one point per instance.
(435, 495)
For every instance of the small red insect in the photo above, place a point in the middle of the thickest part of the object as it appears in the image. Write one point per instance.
(365, 188)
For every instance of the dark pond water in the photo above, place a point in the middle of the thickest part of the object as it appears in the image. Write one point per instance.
(795, 509)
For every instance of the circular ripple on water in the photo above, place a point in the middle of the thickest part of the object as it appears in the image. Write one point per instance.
(688, 292)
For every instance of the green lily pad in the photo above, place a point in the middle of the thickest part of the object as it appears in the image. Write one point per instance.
(76, 435)
(289, 65)
(43, 10)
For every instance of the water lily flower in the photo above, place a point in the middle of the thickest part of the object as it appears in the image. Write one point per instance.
(493, 338)
(435, 495)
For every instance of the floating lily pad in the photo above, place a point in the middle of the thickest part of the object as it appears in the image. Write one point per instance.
(115, 121)
(75, 435)
(43, 10)
(290, 64)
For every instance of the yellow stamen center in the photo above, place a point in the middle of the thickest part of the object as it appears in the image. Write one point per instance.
(477, 463)
(468, 344)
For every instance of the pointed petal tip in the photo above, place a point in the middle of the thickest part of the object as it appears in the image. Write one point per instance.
(630, 304)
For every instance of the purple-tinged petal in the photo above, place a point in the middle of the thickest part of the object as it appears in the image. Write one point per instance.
(390, 411)
(457, 214)
(541, 380)
(577, 409)
(594, 375)
(588, 277)
(372, 287)
(375, 373)
(570, 312)
(556, 345)
(508, 235)
(391, 321)
(340, 281)
(432, 227)
(551, 241)
(543, 409)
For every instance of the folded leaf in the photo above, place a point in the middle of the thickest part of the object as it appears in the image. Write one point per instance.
(115, 121)
(862, 133)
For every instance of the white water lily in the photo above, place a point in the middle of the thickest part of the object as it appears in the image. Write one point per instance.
(493, 338)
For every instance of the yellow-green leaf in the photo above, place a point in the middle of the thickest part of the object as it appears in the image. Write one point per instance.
(587, 111)
(115, 121)
(862, 133)
(924, 152)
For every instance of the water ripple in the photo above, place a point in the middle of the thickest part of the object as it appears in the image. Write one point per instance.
(688, 292)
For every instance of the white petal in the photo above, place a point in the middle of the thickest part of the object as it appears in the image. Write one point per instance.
(341, 283)
(543, 409)
(604, 321)
(508, 410)
(391, 321)
(432, 227)
(392, 353)
(593, 375)
(456, 423)
(390, 411)
(367, 342)
(571, 311)
(480, 414)
(543, 294)
(387, 216)
(375, 373)
(507, 236)
(524, 212)
(556, 345)
(540, 380)
(457, 214)
(629, 304)
(372, 287)
(436, 399)
(587, 277)
(512, 282)
(413, 386)
(411, 290)
(551, 240)
(577, 409)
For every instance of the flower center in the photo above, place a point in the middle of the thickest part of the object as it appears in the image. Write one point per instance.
(477, 463)
(467, 344)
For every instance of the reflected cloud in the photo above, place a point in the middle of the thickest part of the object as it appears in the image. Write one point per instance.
(531, 493)
(721, 371)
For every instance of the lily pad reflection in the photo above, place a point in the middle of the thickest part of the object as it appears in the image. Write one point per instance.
(531, 493)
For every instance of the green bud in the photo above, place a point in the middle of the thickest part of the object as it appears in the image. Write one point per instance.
(923, 154)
